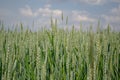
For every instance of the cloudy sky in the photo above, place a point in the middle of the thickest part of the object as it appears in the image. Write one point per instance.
(39, 12)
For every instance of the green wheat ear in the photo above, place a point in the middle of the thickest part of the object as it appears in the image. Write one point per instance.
(91, 55)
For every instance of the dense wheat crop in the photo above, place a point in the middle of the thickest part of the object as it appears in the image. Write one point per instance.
(59, 54)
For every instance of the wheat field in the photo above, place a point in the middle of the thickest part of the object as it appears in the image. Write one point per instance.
(59, 54)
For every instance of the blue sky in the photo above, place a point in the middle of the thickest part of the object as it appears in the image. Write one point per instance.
(86, 12)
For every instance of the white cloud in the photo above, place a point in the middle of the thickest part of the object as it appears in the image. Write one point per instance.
(48, 12)
(45, 11)
(82, 16)
(57, 12)
(27, 11)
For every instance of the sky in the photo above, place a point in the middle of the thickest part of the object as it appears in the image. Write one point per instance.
(39, 13)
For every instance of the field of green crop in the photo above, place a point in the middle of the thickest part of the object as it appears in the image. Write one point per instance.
(59, 54)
